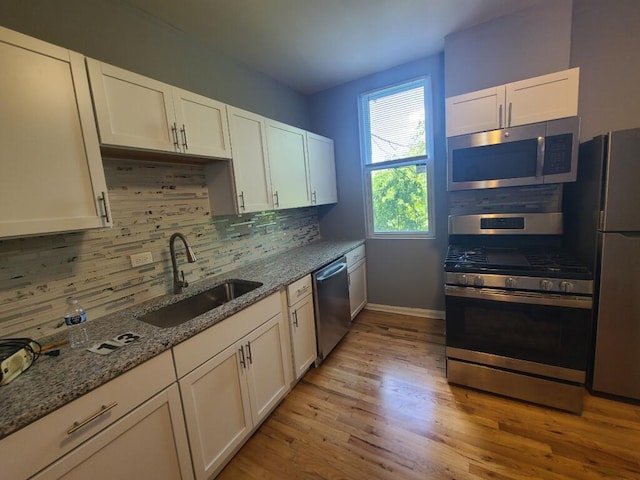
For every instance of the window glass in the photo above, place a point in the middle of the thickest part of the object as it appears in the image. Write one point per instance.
(396, 138)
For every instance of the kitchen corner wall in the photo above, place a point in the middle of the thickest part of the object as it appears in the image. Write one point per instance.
(149, 202)
(400, 272)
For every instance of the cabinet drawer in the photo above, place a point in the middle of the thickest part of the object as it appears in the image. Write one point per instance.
(200, 348)
(355, 255)
(298, 290)
(44, 441)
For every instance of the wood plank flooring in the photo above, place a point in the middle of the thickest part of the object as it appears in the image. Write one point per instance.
(380, 408)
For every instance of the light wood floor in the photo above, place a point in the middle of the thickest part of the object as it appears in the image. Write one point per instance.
(380, 408)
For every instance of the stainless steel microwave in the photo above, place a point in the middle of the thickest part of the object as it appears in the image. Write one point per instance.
(545, 152)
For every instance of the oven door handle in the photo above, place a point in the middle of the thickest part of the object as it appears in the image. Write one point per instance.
(533, 298)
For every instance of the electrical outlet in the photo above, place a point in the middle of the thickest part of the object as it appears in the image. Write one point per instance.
(139, 259)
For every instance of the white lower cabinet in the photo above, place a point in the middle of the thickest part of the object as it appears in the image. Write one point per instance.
(229, 395)
(302, 325)
(357, 271)
(150, 442)
(130, 427)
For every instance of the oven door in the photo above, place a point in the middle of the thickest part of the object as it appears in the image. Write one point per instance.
(534, 333)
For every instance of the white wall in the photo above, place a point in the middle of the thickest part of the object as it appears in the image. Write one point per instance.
(532, 42)
(606, 45)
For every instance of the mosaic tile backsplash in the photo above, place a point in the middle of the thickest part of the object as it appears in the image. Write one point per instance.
(149, 202)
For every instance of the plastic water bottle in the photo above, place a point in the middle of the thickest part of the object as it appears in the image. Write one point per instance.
(76, 319)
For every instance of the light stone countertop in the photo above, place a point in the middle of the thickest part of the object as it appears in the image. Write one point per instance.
(52, 382)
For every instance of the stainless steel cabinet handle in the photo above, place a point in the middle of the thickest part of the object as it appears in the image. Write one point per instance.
(313, 197)
(500, 117)
(103, 199)
(295, 318)
(103, 409)
(241, 196)
(183, 131)
(276, 201)
(174, 132)
(249, 356)
(242, 359)
(509, 122)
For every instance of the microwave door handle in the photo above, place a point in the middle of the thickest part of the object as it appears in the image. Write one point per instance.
(540, 166)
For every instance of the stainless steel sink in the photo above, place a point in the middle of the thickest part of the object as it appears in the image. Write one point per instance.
(184, 310)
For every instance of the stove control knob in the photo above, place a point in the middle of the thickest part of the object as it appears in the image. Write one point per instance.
(478, 281)
(546, 285)
(566, 287)
(463, 279)
(510, 282)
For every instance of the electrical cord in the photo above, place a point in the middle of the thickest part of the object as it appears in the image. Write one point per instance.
(9, 346)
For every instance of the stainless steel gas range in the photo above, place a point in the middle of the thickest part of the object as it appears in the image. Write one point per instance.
(518, 309)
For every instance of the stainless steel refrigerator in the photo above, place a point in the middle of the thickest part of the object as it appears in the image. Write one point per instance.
(602, 212)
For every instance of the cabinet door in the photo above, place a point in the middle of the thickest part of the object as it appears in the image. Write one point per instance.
(268, 375)
(132, 110)
(51, 179)
(216, 409)
(250, 161)
(358, 288)
(149, 442)
(322, 170)
(303, 335)
(202, 125)
(476, 111)
(287, 163)
(543, 98)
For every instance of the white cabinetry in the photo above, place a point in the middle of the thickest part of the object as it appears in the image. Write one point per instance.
(231, 376)
(537, 99)
(322, 169)
(357, 271)
(287, 165)
(122, 429)
(302, 325)
(134, 111)
(52, 178)
(243, 185)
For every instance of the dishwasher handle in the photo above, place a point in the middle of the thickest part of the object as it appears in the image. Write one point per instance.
(331, 272)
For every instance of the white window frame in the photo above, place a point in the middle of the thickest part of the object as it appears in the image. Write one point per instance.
(367, 166)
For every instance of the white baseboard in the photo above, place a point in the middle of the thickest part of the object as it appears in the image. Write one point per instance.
(416, 312)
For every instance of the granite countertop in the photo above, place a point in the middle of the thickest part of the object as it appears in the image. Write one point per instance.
(51, 382)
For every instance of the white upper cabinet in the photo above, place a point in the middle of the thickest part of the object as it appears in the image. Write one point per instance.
(475, 112)
(202, 125)
(542, 98)
(532, 100)
(250, 161)
(52, 178)
(287, 164)
(134, 111)
(322, 169)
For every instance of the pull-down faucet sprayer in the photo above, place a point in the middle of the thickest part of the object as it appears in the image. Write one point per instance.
(178, 280)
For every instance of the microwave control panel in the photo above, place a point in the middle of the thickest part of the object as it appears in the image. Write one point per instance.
(557, 154)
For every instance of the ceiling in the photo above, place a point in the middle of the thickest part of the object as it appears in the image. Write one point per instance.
(311, 45)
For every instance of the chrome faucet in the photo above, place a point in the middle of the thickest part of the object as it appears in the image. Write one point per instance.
(178, 280)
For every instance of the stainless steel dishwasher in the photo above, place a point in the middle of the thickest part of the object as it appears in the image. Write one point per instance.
(333, 315)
